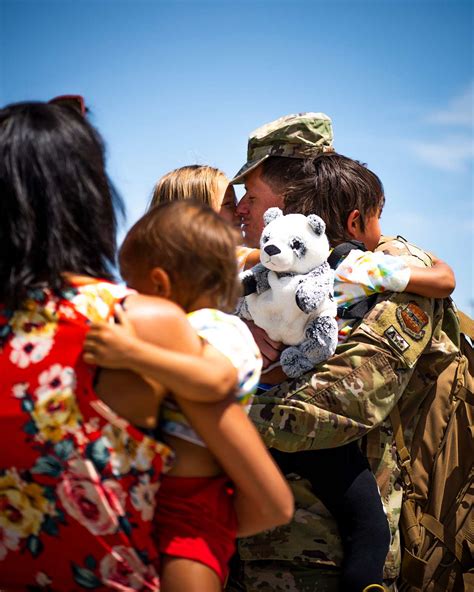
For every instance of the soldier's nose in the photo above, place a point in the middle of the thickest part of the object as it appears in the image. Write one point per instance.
(271, 250)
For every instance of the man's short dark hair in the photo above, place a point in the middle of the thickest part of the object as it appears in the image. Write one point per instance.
(332, 186)
(281, 172)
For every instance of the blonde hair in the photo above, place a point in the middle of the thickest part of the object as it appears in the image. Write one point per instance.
(196, 182)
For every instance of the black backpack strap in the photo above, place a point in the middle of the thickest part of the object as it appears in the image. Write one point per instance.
(342, 250)
(358, 310)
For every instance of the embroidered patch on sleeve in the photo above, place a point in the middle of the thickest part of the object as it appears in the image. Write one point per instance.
(403, 322)
(396, 339)
(412, 320)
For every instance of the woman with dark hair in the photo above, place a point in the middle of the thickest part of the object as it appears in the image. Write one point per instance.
(77, 477)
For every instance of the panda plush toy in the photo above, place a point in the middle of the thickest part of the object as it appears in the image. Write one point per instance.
(289, 293)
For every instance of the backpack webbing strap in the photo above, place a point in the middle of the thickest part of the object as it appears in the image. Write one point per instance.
(466, 324)
(413, 569)
(454, 544)
(412, 525)
(402, 451)
(465, 395)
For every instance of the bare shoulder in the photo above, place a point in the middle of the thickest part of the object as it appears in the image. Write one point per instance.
(161, 322)
(139, 306)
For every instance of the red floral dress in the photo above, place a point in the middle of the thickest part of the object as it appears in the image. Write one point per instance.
(77, 483)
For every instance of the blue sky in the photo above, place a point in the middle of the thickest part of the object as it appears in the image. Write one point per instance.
(171, 83)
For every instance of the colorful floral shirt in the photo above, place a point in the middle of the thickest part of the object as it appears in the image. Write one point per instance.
(231, 337)
(363, 273)
(77, 483)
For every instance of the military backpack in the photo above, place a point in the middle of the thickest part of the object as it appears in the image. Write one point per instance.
(437, 521)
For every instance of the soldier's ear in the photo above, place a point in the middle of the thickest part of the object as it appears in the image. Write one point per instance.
(353, 224)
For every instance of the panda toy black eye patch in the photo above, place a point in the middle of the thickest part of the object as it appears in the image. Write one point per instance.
(297, 245)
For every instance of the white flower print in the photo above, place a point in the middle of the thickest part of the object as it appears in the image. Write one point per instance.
(122, 569)
(43, 580)
(96, 504)
(20, 390)
(9, 540)
(28, 350)
(143, 497)
(56, 378)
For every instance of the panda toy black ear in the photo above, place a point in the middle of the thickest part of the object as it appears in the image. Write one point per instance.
(317, 224)
(271, 214)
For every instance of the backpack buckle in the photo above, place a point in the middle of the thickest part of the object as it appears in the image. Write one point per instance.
(404, 457)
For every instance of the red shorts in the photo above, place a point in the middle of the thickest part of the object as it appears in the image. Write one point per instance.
(195, 519)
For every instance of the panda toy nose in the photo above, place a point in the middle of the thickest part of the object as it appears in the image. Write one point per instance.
(271, 250)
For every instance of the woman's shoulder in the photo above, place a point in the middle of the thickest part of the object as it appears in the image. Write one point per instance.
(95, 298)
(104, 295)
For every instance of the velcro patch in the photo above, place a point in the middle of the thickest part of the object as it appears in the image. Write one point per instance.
(404, 322)
(412, 320)
(396, 339)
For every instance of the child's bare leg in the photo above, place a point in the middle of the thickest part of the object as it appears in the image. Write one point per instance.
(186, 575)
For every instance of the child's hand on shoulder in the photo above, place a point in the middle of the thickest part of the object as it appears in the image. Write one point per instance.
(108, 344)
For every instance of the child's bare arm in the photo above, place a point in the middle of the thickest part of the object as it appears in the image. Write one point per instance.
(433, 282)
(206, 378)
(252, 259)
(263, 498)
(161, 323)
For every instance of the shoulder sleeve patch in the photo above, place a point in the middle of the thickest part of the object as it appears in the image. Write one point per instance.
(404, 322)
(412, 319)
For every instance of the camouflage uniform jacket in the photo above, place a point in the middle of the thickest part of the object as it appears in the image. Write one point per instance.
(397, 350)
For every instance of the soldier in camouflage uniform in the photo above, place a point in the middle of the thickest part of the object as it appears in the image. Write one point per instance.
(396, 351)
(283, 144)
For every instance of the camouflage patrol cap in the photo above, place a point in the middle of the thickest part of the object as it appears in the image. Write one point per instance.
(301, 135)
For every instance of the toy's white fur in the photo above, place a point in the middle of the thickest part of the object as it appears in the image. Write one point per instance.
(293, 301)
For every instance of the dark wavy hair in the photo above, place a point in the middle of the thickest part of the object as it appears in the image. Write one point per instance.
(332, 187)
(57, 205)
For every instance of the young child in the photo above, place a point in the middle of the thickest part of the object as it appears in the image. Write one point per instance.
(184, 252)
